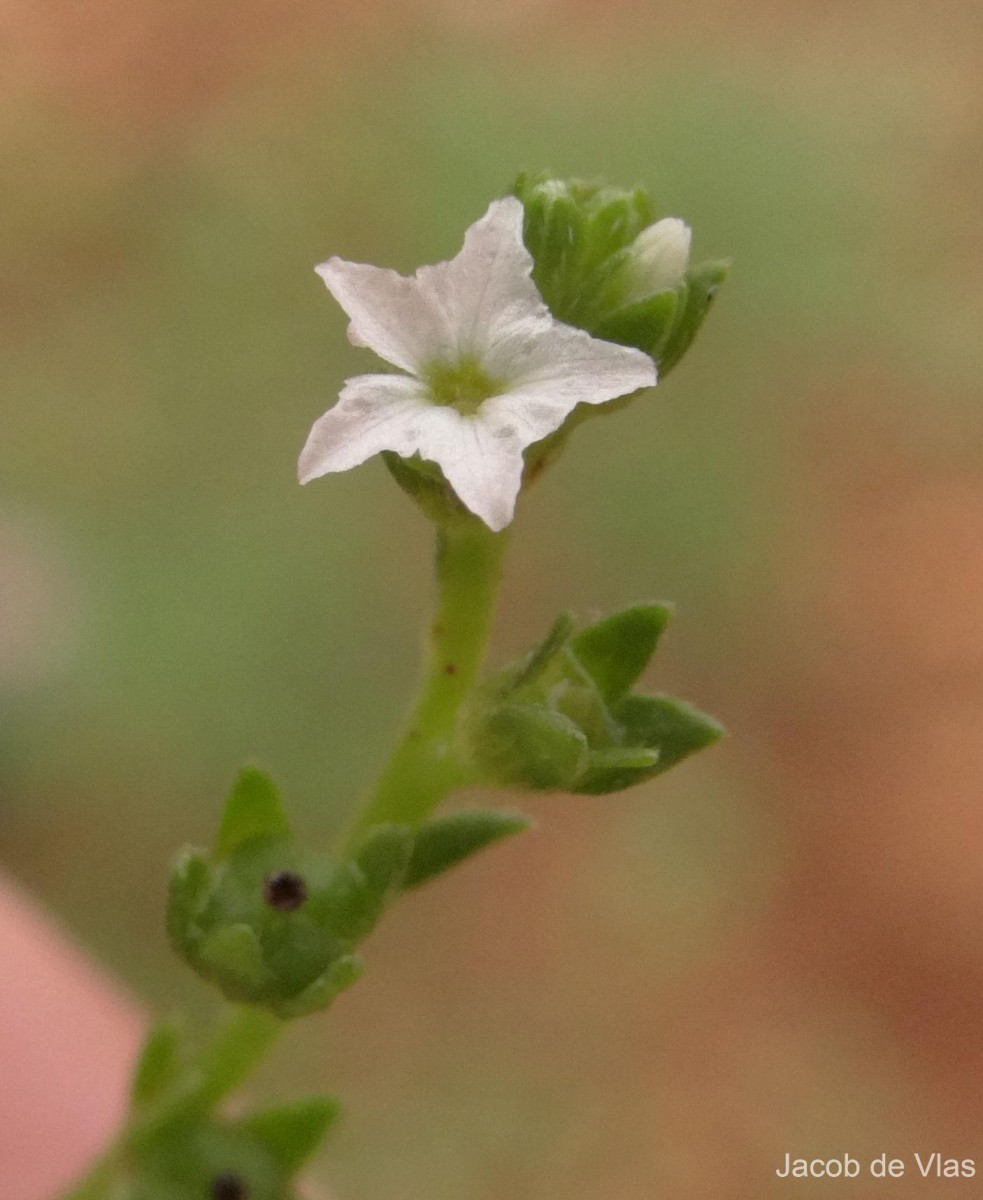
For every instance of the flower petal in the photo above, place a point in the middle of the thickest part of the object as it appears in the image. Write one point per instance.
(486, 291)
(373, 413)
(481, 459)
(389, 313)
(661, 256)
(565, 367)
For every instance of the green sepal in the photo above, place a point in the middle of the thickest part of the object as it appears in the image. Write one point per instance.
(617, 217)
(556, 227)
(342, 973)
(616, 650)
(532, 667)
(292, 1132)
(425, 483)
(252, 810)
(529, 746)
(647, 324)
(701, 286)
(446, 841)
(349, 906)
(190, 880)
(159, 1066)
(233, 955)
(617, 768)
(673, 727)
(577, 232)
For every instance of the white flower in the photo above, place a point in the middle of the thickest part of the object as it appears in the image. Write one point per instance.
(489, 371)
(660, 256)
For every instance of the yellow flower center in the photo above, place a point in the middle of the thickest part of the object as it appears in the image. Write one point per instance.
(463, 385)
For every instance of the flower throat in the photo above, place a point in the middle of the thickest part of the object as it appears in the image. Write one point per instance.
(463, 385)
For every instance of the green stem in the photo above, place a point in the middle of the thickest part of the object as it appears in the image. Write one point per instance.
(231, 1056)
(221, 1066)
(425, 765)
(423, 768)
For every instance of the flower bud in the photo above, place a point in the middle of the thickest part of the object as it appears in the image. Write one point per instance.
(270, 922)
(565, 719)
(210, 1158)
(603, 265)
(659, 257)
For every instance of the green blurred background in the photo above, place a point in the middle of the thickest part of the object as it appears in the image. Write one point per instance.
(779, 947)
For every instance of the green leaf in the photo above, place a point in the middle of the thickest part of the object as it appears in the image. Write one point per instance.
(446, 841)
(383, 857)
(529, 746)
(292, 1132)
(702, 283)
(252, 810)
(615, 651)
(158, 1066)
(674, 728)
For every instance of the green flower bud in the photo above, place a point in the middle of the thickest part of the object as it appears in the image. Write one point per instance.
(659, 257)
(270, 922)
(530, 746)
(564, 717)
(604, 265)
(177, 1146)
(207, 1158)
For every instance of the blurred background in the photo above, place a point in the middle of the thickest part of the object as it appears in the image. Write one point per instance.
(778, 947)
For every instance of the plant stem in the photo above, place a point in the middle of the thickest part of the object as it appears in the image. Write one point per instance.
(425, 765)
(231, 1056)
(241, 1040)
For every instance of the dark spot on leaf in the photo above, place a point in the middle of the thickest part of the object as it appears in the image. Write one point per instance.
(284, 890)
(450, 669)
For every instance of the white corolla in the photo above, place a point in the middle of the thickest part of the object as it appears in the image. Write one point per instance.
(488, 371)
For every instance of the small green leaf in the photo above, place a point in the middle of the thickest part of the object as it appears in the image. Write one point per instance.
(529, 746)
(158, 1066)
(671, 726)
(383, 857)
(292, 1132)
(446, 841)
(615, 651)
(252, 810)
(234, 953)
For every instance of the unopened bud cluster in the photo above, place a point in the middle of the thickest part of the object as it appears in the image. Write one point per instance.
(604, 264)
(566, 718)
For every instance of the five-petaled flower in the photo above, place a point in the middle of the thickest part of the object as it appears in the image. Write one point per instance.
(489, 370)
